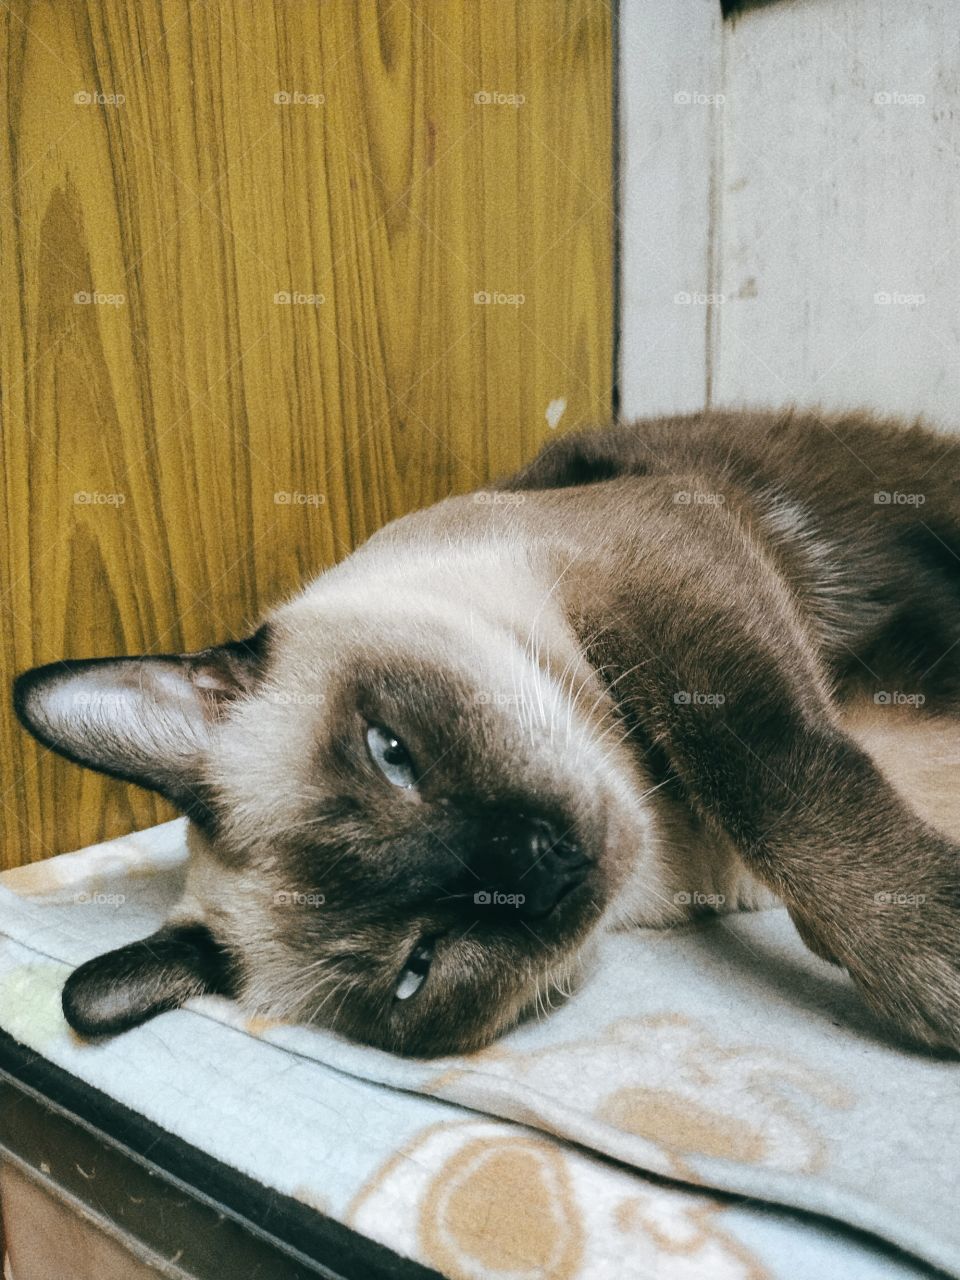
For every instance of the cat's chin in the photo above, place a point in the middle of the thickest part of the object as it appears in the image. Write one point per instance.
(530, 1005)
(560, 957)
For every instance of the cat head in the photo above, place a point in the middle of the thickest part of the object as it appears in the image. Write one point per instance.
(406, 820)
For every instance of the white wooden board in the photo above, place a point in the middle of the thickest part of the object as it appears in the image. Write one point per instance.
(836, 214)
(669, 81)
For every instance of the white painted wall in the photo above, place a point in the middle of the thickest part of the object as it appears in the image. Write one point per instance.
(816, 203)
(669, 57)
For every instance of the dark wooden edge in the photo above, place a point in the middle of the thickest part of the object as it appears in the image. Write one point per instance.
(167, 1194)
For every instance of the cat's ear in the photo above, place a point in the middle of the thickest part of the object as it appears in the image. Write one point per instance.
(147, 719)
(123, 988)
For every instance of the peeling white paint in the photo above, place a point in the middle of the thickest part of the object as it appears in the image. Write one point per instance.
(555, 412)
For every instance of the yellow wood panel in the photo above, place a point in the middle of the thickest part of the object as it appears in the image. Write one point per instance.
(148, 161)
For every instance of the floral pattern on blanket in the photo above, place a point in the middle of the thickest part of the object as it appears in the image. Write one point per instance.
(480, 1203)
(731, 1060)
(666, 1078)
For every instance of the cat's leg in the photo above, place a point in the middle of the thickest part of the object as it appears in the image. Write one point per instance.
(732, 692)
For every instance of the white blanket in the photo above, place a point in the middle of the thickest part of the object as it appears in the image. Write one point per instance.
(721, 1057)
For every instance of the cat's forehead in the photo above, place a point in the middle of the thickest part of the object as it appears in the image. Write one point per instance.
(392, 640)
(468, 700)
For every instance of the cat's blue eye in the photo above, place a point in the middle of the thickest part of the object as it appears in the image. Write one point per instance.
(415, 971)
(390, 756)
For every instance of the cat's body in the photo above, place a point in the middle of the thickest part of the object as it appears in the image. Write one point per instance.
(607, 691)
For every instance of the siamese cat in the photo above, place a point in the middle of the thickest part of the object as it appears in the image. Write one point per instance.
(605, 693)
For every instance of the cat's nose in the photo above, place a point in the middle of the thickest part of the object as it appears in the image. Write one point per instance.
(531, 868)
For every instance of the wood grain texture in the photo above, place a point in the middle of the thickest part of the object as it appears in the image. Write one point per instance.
(150, 435)
(45, 1231)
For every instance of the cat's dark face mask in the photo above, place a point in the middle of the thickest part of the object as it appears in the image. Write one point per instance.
(402, 831)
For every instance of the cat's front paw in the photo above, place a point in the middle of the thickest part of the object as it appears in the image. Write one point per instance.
(901, 946)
